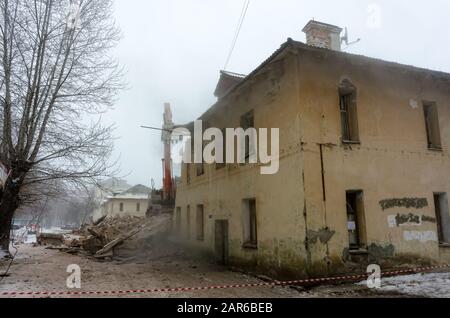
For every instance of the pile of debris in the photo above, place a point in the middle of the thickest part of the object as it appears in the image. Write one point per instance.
(101, 238)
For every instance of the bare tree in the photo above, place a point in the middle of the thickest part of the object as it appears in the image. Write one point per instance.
(55, 71)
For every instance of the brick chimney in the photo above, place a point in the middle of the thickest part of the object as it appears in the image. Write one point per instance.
(323, 35)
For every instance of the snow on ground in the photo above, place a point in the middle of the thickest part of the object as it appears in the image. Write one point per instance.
(20, 234)
(30, 239)
(435, 285)
(56, 230)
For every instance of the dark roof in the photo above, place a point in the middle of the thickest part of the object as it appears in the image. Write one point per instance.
(232, 74)
(270, 58)
(226, 82)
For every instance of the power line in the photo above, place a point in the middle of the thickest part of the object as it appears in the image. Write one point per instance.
(238, 31)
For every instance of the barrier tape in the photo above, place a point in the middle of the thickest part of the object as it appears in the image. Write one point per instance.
(266, 284)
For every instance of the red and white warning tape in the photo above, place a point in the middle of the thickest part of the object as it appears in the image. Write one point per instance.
(266, 284)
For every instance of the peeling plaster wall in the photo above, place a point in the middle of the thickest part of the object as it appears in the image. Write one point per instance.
(279, 198)
(392, 164)
(300, 233)
(420, 236)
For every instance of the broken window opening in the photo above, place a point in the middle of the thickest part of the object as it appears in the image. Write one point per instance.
(138, 207)
(355, 219)
(250, 224)
(432, 126)
(349, 116)
(121, 207)
(200, 223)
(442, 217)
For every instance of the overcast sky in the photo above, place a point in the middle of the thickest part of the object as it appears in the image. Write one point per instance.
(172, 51)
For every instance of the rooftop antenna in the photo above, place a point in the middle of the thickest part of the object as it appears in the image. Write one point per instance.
(345, 39)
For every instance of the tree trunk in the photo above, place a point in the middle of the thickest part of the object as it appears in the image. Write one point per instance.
(9, 203)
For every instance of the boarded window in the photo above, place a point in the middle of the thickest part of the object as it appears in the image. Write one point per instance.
(138, 207)
(432, 125)
(349, 116)
(248, 121)
(200, 223)
(442, 217)
(355, 219)
(121, 206)
(250, 223)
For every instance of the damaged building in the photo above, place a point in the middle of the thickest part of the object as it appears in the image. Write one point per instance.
(116, 198)
(363, 170)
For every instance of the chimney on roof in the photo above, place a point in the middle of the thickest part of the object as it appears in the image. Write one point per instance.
(323, 35)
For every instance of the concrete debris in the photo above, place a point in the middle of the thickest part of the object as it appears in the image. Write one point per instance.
(52, 239)
(108, 233)
(100, 220)
(101, 240)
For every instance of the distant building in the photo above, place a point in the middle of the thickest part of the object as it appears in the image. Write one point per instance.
(107, 188)
(132, 202)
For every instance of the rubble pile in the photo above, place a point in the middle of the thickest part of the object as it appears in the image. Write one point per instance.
(95, 238)
(153, 242)
(53, 239)
(103, 237)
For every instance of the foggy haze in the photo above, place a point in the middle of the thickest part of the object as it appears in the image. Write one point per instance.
(172, 51)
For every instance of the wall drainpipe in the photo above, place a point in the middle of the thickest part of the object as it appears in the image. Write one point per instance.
(324, 193)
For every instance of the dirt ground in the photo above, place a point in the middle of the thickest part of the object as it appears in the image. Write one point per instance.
(152, 260)
(40, 269)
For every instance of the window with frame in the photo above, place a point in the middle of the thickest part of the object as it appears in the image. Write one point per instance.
(432, 125)
(250, 224)
(442, 217)
(348, 112)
